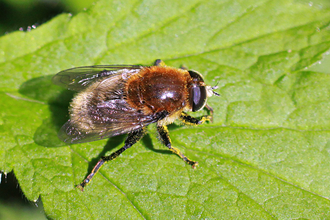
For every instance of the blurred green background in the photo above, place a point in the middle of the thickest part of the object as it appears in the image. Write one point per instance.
(23, 15)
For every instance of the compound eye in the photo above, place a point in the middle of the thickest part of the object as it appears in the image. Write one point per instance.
(197, 97)
(195, 75)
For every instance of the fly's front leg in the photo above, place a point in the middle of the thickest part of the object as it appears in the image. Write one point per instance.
(210, 109)
(165, 138)
(189, 120)
(132, 138)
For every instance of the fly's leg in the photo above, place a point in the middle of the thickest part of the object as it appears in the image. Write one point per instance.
(189, 120)
(210, 109)
(159, 62)
(132, 138)
(165, 138)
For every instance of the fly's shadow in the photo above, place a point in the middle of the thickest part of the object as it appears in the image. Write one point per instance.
(58, 99)
(148, 142)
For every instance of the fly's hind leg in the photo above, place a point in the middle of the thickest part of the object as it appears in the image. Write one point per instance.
(165, 138)
(132, 138)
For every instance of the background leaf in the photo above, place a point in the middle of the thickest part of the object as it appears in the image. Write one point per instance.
(265, 156)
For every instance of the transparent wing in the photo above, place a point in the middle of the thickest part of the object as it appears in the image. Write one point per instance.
(79, 78)
(123, 123)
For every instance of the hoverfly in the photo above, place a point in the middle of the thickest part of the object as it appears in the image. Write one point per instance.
(118, 99)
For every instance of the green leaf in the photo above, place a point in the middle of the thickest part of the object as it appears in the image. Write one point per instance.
(266, 156)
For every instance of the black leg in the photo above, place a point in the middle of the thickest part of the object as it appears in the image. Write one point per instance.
(165, 138)
(183, 67)
(132, 138)
(189, 120)
(159, 62)
(210, 109)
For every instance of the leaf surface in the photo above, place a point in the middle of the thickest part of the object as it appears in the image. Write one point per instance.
(266, 156)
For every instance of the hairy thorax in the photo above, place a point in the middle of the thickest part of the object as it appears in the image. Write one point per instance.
(157, 89)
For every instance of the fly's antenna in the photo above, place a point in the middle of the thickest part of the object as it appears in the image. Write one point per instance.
(215, 87)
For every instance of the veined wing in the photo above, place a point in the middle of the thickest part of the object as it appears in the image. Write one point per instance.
(78, 78)
(124, 122)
